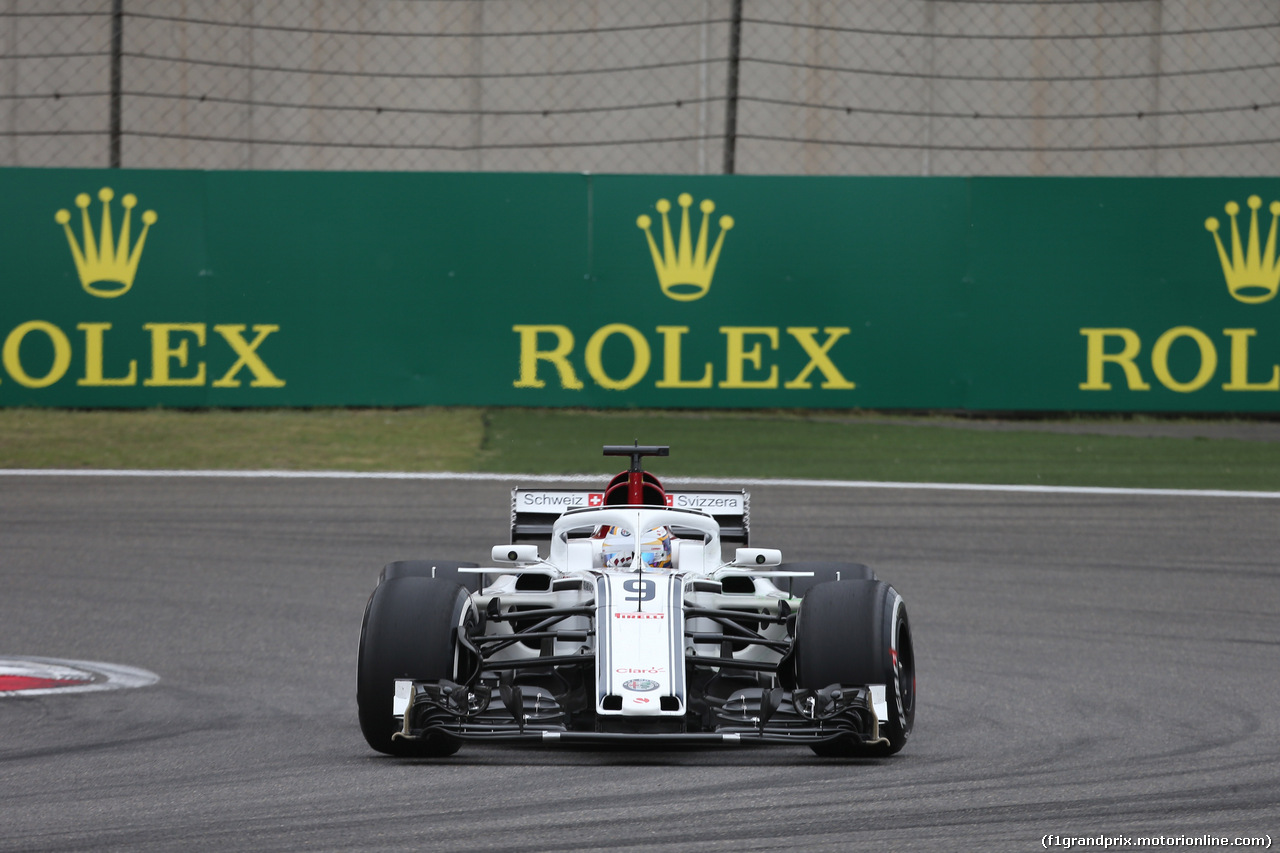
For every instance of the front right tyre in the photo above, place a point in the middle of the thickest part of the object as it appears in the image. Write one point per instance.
(409, 632)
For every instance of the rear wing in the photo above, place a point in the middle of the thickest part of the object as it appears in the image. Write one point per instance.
(534, 511)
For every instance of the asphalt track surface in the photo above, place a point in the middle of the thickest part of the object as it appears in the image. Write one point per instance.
(1088, 665)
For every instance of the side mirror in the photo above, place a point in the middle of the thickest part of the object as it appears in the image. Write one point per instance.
(756, 557)
(515, 554)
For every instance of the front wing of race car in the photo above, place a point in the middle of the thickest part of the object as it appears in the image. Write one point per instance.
(651, 657)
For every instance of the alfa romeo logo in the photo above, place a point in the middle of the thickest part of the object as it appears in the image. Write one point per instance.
(640, 685)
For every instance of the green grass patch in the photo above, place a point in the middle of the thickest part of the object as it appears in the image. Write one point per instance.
(277, 439)
(727, 444)
(550, 441)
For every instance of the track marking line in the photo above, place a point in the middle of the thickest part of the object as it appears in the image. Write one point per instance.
(595, 478)
(22, 675)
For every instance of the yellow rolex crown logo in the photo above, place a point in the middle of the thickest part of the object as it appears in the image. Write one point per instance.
(684, 270)
(106, 266)
(1252, 273)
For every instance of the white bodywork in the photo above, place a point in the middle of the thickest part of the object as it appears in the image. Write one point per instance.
(640, 642)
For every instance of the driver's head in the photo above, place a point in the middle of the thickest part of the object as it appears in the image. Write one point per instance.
(619, 549)
(655, 549)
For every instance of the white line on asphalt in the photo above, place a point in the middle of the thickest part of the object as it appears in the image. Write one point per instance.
(598, 478)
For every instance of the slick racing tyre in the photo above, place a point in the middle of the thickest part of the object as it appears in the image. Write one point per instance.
(822, 573)
(857, 633)
(408, 632)
(444, 569)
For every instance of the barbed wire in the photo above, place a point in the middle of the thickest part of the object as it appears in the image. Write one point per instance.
(978, 36)
(999, 78)
(1012, 116)
(403, 75)
(579, 31)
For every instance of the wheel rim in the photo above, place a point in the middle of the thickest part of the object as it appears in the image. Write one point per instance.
(904, 669)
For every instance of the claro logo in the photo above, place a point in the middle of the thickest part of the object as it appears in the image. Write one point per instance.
(1251, 270)
(107, 266)
(685, 269)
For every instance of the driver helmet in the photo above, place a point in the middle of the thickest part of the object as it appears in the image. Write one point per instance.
(655, 549)
(619, 548)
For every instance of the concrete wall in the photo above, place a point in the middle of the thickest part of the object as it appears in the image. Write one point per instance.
(1181, 87)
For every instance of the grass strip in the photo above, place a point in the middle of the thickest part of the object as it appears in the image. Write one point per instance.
(554, 441)
(550, 441)
(276, 439)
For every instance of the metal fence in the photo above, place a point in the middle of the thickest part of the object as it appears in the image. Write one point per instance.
(882, 87)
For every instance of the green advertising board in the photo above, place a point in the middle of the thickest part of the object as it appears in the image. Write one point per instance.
(185, 289)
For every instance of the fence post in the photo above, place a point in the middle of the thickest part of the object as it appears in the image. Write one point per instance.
(117, 49)
(731, 87)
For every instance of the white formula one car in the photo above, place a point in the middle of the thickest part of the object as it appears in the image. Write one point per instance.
(632, 628)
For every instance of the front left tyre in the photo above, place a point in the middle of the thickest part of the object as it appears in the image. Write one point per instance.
(409, 632)
(856, 632)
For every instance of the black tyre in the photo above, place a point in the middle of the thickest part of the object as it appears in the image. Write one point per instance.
(857, 632)
(822, 573)
(444, 569)
(408, 632)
